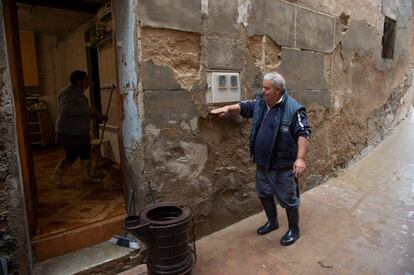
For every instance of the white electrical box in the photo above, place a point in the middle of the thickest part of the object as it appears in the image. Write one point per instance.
(223, 87)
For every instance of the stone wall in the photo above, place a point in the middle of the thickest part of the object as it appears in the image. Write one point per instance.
(330, 55)
(14, 242)
(329, 52)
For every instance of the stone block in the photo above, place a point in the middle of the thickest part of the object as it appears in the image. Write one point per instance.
(223, 53)
(317, 5)
(401, 12)
(390, 8)
(222, 16)
(361, 37)
(162, 107)
(306, 97)
(279, 22)
(405, 11)
(273, 18)
(314, 31)
(255, 21)
(158, 77)
(303, 70)
(183, 15)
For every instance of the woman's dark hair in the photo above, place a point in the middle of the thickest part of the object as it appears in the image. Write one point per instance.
(77, 76)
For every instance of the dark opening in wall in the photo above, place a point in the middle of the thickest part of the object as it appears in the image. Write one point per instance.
(388, 39)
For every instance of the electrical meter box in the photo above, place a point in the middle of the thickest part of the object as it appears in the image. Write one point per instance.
(223, 87)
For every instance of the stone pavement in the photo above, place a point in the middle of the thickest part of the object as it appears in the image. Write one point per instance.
(361, 222)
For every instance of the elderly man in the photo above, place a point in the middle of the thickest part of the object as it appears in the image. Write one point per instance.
(278, 145)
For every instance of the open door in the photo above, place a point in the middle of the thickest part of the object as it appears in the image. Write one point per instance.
(16, 72)
(84, 214)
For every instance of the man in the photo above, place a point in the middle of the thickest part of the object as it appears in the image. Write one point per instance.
(73, 126)
(278, 145)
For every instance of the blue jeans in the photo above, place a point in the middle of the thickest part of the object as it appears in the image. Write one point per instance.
(279, 183)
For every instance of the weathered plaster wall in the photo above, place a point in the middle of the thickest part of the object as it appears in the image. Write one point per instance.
(369, 95)
(330, 55)
(329, 52)
(13, 237)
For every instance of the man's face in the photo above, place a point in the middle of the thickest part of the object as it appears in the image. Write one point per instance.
(271, 94)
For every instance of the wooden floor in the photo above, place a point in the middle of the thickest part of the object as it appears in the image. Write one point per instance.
(80, 205)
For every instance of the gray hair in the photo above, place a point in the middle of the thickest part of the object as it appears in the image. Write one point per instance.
(277, 80)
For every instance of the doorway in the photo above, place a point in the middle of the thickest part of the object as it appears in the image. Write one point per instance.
(56, 39)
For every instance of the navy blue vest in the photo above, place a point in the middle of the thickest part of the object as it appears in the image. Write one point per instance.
(284, 146)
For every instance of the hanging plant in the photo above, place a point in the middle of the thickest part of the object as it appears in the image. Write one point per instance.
(99, 35)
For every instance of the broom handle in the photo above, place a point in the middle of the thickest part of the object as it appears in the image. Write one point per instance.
(130, 200)
(106, 113)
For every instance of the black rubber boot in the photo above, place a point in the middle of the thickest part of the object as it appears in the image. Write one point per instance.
(293, 233)
(269, 207)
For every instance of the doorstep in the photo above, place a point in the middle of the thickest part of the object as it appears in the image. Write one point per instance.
(50, 246)
(103, 258)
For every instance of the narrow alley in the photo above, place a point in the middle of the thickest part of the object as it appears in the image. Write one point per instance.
(124, 119)
(361, 222)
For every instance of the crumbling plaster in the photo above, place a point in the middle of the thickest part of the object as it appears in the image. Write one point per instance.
(353, 96)
(14, 243)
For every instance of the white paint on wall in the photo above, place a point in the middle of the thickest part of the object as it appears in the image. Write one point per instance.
(131, 128)
(126, 37)
(152, 131)
(204, 7)
(243, 8)
(337, 103)
(194, 124)
(127, 73)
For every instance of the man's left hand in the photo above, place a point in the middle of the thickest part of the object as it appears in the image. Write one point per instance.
(299, 167)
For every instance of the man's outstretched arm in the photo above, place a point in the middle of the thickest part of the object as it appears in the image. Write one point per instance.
(227, 110)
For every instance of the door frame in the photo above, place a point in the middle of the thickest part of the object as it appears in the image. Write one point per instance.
(22, 129)
(92, 62)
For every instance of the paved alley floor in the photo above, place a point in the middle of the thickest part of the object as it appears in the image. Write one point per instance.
(361, 222)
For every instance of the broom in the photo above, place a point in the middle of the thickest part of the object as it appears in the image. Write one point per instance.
(101, 138)
(123, 240)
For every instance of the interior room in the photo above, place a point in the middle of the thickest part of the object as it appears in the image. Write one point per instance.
(55, 40)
